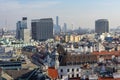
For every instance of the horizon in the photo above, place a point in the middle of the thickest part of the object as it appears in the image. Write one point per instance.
(79, 13)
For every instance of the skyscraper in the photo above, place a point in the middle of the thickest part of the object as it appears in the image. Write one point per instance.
(57, 22)
(20, 26)
(57, 28)
(27, 35)
(1, 32)
(19, 31)
(24, 22)
(101, 26)
(42, 29)
(65, 28)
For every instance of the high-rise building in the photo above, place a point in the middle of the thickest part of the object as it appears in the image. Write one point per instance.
(20, 26)
(1, 32)
(101, 26)
(27, 35)
(65, 28)
(24, 22)
(19, 31)
(57, 22)
(57, 28)
(42, 29)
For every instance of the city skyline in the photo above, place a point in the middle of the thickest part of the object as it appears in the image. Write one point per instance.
(79, 13)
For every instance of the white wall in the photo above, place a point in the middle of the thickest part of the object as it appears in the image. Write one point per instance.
(27, 35)
(65, 73)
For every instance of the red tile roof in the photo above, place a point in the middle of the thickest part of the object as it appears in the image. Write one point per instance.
(74, 79)
(107, 52)
(52, 73)
(108, 79)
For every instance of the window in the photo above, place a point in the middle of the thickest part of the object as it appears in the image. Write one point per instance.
(77, 69)
(68, 70)
(72, 69)
(77, 75)
(61, 76)
(68, 76)
(72, 75)
(61, 70)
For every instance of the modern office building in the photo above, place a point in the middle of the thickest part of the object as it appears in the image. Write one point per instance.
(57, 28)
(24, 22)
(19, 31)
(57, 20)
(1, 32)
(101, 26)
(20, 26)
(65, 28)
(27, 36)
(42, 29)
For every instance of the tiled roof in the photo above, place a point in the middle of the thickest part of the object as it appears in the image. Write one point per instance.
(74, 78)
(108, 79)
(52, 73)
(76, 59)
(15, 74)
(107, 52)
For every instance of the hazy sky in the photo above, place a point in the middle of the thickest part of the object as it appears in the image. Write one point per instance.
(81, 13)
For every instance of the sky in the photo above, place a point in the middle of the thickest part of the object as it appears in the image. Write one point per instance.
(79, 13)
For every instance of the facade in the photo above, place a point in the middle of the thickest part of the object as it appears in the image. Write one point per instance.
(57, 20)
(72, 38)
(24, 22)
(57, 28)
(27, 35)
(19, 31)
(1, 32)
(101, 26)
(10, 65)
(65, 28)
(20, 26)
(66, 72)
(42, 29)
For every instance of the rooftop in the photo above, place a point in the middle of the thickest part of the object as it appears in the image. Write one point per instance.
(108, 79)
(76, 59)
(52, 73)
(107, 52)
(15, 74)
